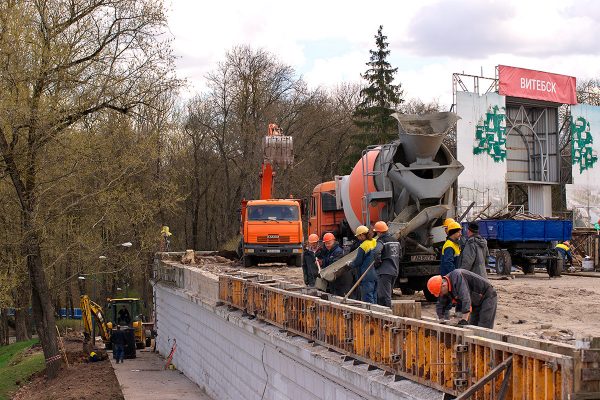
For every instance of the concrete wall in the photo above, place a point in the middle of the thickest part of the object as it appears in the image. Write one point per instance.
(234, 357)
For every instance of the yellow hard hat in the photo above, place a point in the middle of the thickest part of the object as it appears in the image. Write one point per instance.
(448, 221)
(453, 226)
(361, 230)
(165, 231)
(92, 354)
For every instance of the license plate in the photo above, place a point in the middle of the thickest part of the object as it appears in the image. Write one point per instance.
(424, 257)
(272, 236)
(272, 250)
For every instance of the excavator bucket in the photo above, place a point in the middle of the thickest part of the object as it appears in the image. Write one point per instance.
(278, 149)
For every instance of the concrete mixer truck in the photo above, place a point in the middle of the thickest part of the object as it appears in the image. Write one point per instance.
(408, 183)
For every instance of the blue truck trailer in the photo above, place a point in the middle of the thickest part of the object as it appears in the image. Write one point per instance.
(526, 243)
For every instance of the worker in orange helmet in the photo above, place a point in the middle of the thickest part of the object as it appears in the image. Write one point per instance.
(310, 268)
(475, 295)
(386, 260)
(330, 254)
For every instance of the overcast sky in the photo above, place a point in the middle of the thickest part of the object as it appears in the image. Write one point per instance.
(328, 42)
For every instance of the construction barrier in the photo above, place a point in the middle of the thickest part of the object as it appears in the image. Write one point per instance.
(468, 363)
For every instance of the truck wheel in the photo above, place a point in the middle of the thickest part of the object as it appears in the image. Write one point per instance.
(248, 261)
(406, 291)
(429, 296)
(528, 269)
(298, 261)
(503, 262)
(553, 267)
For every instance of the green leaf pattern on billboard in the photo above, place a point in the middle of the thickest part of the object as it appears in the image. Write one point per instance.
(490, 134)
(582, 151)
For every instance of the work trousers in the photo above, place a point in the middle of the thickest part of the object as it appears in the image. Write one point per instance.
(485, 314)
(385, 284)
(368, 291)
(118, 352)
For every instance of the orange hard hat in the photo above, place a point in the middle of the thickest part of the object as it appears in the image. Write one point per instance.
(313, 238)
(448, 221)
(380, 227)
(328, 237)
(434, 285)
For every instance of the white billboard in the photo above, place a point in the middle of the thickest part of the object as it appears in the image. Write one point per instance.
(481, 148)
(583, 196)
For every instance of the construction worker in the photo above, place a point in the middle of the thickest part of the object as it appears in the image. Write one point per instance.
(310, 269)
(564, 250)
(476, 297)
(386, 258)
(118, 340)
(123, 316)
(475, 253)
(451, 249)
(166, 238)
(329, 255)
(362, 262)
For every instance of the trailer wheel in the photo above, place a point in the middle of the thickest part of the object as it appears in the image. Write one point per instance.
(248, 261)
(528, 269)
(554, 267)
(503, 262)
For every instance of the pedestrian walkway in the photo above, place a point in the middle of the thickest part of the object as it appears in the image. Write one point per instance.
(144, 378)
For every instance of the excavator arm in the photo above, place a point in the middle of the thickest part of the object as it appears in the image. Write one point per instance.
(90, 310)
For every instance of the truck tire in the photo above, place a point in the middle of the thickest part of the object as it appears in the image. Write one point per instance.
(554, 267)
(248, 261)
(406, 291)
(503, 262)
(297, 262)
(528, 269)
(429, 296)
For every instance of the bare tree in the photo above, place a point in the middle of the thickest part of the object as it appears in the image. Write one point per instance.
(62, 63)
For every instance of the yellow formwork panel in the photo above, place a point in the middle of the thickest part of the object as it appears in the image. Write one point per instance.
(447, 358)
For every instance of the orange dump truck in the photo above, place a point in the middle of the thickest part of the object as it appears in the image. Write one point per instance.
(271, 231)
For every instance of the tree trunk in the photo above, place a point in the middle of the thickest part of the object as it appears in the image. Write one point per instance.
(3, 327)
(43, 311)
(21, 297)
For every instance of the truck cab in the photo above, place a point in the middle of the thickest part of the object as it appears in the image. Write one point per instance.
(271, 231)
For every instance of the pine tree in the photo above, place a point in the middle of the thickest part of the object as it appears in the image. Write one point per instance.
(379, 99)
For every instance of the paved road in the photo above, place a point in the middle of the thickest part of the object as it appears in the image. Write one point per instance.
(144, 378)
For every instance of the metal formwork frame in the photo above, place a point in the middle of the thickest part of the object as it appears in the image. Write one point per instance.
(450, 359)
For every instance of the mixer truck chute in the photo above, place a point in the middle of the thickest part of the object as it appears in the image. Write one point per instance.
(407, 183)
(271, 229)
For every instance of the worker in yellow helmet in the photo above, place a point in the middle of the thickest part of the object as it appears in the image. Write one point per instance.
(451, 249)
(362, 262)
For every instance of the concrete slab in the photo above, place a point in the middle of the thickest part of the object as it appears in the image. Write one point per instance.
(144, 378)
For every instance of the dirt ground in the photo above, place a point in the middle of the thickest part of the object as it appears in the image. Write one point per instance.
(80, 381)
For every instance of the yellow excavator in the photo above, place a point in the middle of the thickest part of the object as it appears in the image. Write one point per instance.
(107, 322)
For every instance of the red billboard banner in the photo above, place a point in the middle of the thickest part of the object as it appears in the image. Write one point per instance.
(538, 85)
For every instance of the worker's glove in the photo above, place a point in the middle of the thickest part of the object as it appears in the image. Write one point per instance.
(463, 322)
(349, 264)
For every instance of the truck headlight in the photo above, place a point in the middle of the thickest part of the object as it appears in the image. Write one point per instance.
(296, 250)
(249, 250)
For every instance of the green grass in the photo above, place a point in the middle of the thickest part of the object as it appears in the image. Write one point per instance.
(16, 366)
